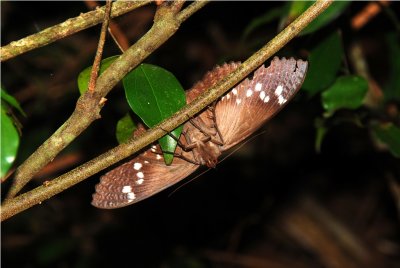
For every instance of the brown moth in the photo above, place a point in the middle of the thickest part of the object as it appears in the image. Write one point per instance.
(233, 118)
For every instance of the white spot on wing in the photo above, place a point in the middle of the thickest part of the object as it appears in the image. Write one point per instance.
(139, 181)
(278, 90)
(146, 162)
(234, 91)
(249, 92)
(258, 87)
(158, 157)
(137, 166)
(131, 196)
(266, 99)
(127, 189)
(281, 100)
(238, 101)
(140, 175)
(262, 95)
(228, 96)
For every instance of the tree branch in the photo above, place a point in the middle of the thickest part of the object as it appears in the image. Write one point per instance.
(89, 104)
(66, 28)
(40, 194)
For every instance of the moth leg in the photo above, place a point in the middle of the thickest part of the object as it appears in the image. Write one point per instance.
(187, 159)
(198, 122)
(184, 147)
(214, 119)
(187, 148)
(181, 156)
(201, 126)
(209, 138)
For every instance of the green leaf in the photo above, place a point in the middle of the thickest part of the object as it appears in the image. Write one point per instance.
(11, 101)
(331, 13)
(324, 63)
(259, 21)
(321, 132)
(125, 128)
(154, 94)
(9, 142)
(84, 76)
(389, 134)
(346, 92)
(296, 8)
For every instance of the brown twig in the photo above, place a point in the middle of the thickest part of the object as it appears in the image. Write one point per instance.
(114, 30)
(66, 28)
(39, 194)
(367, 13)
(61, 163)
(97, 60)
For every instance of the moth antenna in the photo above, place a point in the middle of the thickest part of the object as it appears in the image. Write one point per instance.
(189, 181)
(243, 144)
(225, 157)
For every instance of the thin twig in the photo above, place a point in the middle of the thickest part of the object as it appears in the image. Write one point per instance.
(97, 60)
(113, 29)
(190, 10)
(367, 13)
(66, 28)
(41, 193)
(116, 34)
(89, 105)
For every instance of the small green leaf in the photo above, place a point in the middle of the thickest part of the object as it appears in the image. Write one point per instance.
(154, 94)
(262, 20)
(296, 8)
(324, 63)
(320, 134)
(389, 134)
(331, 13)
(125, 128)
(84, 76)
(346, 92)
(9, 142)
(11, 101)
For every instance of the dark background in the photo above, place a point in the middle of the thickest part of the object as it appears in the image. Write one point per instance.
(275, 202)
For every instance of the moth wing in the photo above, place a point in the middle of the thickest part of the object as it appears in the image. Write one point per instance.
(251, 103)
(140, 178)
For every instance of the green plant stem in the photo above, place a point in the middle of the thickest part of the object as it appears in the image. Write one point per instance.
(89, 105)
(66, 28)
(41, 193)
